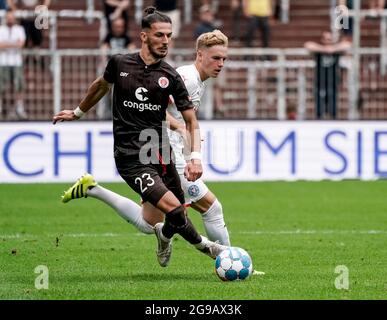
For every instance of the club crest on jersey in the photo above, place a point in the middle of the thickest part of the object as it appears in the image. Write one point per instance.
(163, 82)
(193, 190)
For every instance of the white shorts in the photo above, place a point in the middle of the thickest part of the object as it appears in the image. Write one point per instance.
(193, 190)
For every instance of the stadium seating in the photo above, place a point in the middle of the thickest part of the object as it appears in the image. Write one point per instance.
(307, 19)
(314, 14)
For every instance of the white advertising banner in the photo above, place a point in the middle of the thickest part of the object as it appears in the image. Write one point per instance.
(232, 151)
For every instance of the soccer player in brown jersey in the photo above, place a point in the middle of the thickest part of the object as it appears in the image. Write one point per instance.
(143, 83)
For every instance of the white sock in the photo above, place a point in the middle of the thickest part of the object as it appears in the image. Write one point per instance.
(164, 238)
(201, 245)
(214, 224)
(126, 208)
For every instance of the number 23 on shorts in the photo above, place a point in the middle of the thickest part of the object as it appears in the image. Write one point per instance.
(144, 182)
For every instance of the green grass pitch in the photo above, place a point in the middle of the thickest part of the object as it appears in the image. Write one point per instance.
(296, 232)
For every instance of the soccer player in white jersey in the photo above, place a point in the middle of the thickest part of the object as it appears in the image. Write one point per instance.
(211, 55)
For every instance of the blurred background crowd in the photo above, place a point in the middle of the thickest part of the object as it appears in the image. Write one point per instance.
(288, 59)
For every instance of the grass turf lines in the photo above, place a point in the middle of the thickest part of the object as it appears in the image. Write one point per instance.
(296, 232)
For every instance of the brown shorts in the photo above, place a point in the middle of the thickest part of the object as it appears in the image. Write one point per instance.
(150, 181)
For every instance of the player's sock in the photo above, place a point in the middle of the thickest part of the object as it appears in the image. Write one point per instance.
(161, 234)
(177, 221)
(210, 248)
(189, 233)
(173, 220)
(202, 244)
(126, 208)
(214, 224)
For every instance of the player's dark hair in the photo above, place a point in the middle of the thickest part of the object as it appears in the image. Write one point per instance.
(151, 16)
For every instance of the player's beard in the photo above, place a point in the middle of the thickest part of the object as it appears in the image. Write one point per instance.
(155, 54)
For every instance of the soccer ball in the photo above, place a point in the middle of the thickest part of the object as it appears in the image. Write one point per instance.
(233, 264)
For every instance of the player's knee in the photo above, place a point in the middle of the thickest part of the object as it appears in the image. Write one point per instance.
(177, 217)
(206, 201)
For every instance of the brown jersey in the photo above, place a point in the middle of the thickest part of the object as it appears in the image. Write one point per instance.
(140, 99)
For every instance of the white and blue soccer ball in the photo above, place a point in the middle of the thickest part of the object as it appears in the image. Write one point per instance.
(233, 264)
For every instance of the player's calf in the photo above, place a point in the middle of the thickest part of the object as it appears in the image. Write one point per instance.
(214, 224)
(177, 221)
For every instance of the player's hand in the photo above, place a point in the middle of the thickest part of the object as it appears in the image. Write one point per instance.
(64, 115)
(193, 170)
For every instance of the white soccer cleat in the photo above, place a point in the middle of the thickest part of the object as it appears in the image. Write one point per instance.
(164, 247)
(212, 249)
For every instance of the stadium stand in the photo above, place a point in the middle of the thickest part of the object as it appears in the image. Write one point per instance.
(306, 20)
(256, 89)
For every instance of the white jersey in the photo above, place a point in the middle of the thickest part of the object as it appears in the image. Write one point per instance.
(11, 56)
(195, 87)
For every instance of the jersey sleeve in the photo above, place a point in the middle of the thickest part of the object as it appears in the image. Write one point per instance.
(180, 95)
(192, 88)
(110, 71)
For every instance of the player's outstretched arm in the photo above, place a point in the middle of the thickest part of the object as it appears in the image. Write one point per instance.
(175, 124)
(180, 128)
(95, 93)
(193, 169)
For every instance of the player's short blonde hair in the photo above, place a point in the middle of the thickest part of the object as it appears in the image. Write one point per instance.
(210, 39)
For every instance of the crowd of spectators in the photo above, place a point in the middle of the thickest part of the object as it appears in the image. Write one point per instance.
(246, 18)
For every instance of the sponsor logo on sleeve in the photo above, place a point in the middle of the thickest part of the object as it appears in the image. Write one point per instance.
(193, 190)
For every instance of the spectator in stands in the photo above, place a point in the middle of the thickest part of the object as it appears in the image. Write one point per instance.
(34, 36)
(170, 8)
(3, 7)
(214, 4)
(375, 5)
(347, 30)
(115, 9)
(4, 4)
(276, 4)
(236, 9)
(207, 21)
(209, 24)
(259, 13)
(12, 39)
(116, 40)
(327, 77)
(118, 37)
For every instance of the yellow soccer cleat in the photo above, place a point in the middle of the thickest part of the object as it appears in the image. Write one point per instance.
(79, 189)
